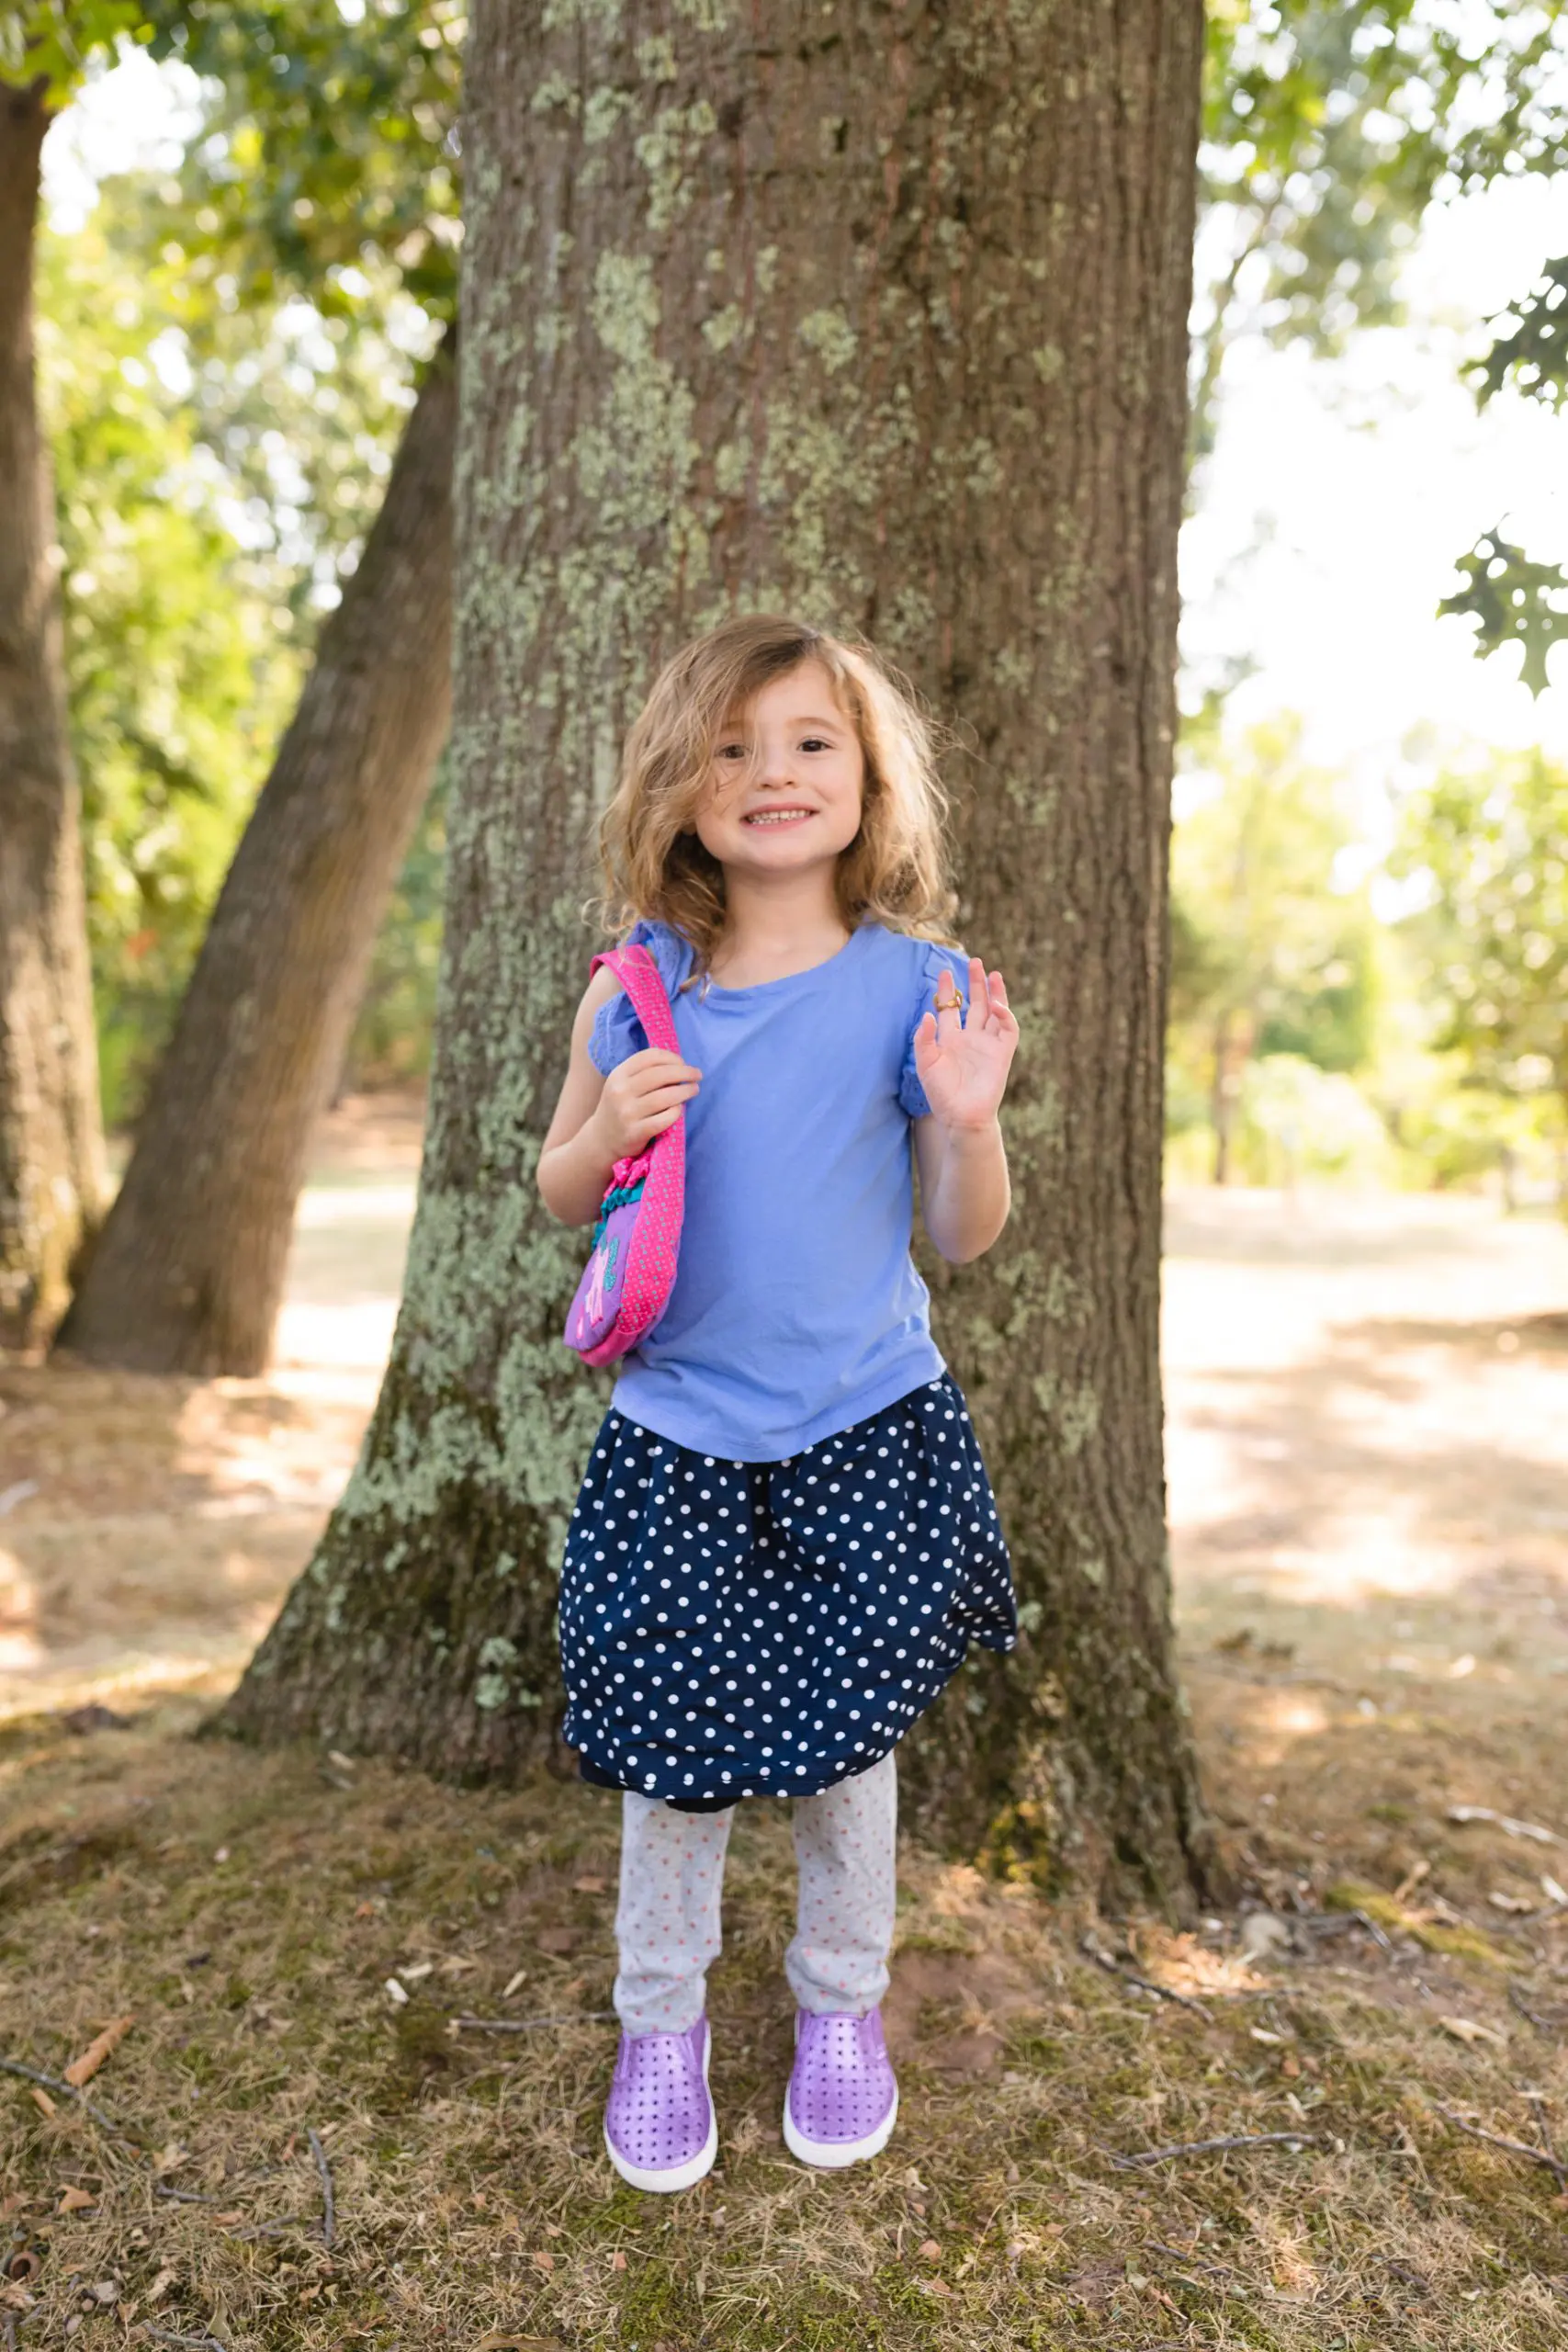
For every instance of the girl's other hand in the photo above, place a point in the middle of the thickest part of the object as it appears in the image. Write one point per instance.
(645, 1094)
(963, 1066)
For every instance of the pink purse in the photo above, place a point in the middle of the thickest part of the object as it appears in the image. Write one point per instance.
(630, 1272)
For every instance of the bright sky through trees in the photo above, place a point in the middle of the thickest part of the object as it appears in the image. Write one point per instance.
(1377, 472)
(1338, 498)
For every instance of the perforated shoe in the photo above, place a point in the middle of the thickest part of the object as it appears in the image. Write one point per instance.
(659, 2126)
(842, 2100)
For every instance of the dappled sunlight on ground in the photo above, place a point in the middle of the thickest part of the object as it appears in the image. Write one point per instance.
(1368, 1497)
(149, 1528)
(1366, 1398)
(1281, 1718)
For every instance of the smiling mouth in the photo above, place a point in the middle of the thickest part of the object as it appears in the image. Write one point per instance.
(778, 816)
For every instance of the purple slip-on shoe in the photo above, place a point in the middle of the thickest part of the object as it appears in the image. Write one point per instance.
(842, 2100)
(659, 2125)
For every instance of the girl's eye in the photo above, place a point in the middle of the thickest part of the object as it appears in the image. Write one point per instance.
(732, 752)
(816, 743)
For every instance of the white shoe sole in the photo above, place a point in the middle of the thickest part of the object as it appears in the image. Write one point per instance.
(831, 2155)
(669, 2180)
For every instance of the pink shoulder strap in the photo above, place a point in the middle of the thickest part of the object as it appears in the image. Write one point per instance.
(638, 974)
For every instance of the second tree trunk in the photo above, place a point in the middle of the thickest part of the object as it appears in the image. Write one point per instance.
(188, 1273)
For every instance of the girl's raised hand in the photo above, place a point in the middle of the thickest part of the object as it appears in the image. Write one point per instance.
(963, 1066)
(642, 1096)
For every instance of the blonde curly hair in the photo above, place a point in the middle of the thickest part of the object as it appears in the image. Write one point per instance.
(656, 870)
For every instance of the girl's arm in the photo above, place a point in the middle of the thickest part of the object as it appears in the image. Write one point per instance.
(599, 1120)
(964, 1194)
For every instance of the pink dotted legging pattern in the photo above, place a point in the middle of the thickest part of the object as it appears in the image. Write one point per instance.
(667, 1923)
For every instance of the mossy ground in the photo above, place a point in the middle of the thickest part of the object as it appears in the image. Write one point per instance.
(247, 1911)
(1366, 1421)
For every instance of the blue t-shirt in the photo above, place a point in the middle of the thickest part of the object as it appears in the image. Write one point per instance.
(797, 1309)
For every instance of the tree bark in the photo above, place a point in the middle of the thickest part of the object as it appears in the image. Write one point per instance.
(1234, 1034)
(878, 314)
(52, 1171)
(1221, 1100)
(188, 1273)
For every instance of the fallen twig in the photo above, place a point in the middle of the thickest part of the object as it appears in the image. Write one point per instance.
(252, 2229)
(1542, 2024)
(163, 2335)
(1331, 1923)
(276, 2229)
(527, 2025)
(1506, 1822)
(328, 2218)
(1145, 1983)
(1405, 2271)
(1537, 2105)
(67, 2091)
(1541, 2156)
(1525, 1925)
(1217, 2270)
(1213, 2147)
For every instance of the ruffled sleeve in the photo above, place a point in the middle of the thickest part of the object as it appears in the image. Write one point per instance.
(617, 1032)
(932, 964)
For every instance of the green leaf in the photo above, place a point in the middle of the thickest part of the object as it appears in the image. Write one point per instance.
(1514, 601)
(54, 41)
(331, 149)
(214, 468)
(1534, 355)
(1329, 127)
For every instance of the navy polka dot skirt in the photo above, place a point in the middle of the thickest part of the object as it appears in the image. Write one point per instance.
(733, 1629)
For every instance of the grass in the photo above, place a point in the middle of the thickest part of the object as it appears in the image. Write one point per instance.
(248, 1911)
(1372, 1569)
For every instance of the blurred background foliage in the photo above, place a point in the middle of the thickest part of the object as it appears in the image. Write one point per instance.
(1396, 1017)
(179, 662)
(229, 349)
(228, 352)
(216, 469)
(1329, 127)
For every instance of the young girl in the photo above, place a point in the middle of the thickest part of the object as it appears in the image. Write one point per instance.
(787, 1536)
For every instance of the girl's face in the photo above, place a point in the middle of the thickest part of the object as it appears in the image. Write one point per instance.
(787, 778)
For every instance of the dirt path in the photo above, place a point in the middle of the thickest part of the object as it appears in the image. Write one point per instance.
(151, 1527)
(1366, 1396)
(1369, 1485)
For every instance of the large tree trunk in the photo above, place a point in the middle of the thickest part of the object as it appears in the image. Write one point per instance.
(188, 1273)
(51, 1174)
(879, 315)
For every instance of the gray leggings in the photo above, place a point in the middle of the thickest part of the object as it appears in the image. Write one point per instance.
(667, 1924)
